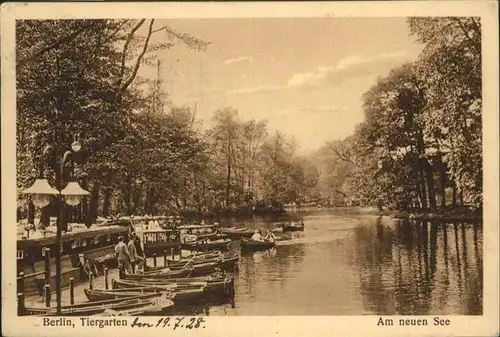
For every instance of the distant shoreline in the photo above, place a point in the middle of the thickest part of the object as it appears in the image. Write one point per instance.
(448, 215)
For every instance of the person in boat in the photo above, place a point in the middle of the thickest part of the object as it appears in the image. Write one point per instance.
(270, 237)
(122, 255)
(135, 258)
(257, 236)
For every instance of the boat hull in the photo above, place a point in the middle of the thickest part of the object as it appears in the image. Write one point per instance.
(251, 245)
(211, 245)
(234, 234)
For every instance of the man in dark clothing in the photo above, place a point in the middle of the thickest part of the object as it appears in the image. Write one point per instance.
(138, 246)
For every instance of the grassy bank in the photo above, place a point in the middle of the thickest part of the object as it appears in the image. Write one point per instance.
(447, 215)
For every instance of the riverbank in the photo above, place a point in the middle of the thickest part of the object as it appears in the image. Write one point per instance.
(458, 215)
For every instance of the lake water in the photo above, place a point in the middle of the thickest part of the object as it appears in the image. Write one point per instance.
(350, 264)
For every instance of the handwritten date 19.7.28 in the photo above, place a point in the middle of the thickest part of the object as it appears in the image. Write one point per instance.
(174, 323)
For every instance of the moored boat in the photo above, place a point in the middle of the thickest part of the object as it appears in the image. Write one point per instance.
(220, 285)
(166, 273)
(159, 283)
(98, 307)
(206, 244)
(237, 233)
(178, 296)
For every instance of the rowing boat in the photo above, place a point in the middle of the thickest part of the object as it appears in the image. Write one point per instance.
(201, 245)
(214, 287)
(252, 245)
(166, 273)
(205, 268)
(293, 226)
(156, 284)
(157, 306)
(98, 307)
(179, 296)
(237, 233)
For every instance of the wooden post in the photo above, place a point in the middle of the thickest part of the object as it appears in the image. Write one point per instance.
(47, 265)
(172, 251)
(20, 304)
(47, 295)
(106, 285)
(154, 259)
(91, 281)
(71, 290)
(165, 257)
(180, 253)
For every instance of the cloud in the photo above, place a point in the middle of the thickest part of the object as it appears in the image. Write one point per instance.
(248, 59)
(310, 109)
(349, 67)
(262, 89)
(329, 108)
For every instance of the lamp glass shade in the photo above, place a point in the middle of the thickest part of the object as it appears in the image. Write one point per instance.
(74, 188)
(76, 146)
(40, 200)
(41, 192)
(72, 200)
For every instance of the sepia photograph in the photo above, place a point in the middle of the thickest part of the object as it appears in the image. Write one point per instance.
(248, 166)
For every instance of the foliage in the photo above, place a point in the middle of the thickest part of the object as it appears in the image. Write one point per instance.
(422, 131)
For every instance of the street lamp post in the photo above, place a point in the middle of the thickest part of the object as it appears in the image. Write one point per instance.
(72, 194)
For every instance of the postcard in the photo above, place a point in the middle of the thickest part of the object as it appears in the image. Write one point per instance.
(250, 168)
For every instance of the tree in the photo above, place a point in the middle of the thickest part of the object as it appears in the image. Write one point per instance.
(450, 66)
(76, 77)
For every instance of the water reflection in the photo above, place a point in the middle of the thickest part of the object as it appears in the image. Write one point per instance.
(349, 264)
(413, 268)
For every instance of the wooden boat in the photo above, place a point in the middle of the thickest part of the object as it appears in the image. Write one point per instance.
(98, 307)
(197, 257)
(252, 245)
(214, 287)
(203, 268)
(181, 272)
(179, 296)
(206, 244)
(159, 284)
(200, 231)
(293, 226)
(178, 283)
(237, 233)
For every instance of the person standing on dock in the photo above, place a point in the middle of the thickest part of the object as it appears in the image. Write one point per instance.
(123, 255)
(134, 257)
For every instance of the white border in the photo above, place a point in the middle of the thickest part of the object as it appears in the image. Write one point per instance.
(486, 325)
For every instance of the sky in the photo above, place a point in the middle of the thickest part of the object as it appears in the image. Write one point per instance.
(305, 76)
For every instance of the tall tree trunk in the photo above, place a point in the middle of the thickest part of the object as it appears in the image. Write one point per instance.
(127, 196)
(184, 193)
(442, 181)
(84, 206)
(454, 194)
(106, 203)
(430, 185)
(228, 179)
(423, 196)
(197, 192)
(45, 216)
(94, 204)
(136, 205)
(31, 212)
